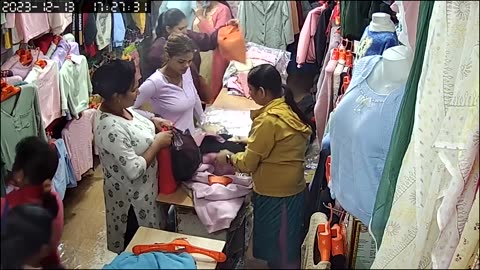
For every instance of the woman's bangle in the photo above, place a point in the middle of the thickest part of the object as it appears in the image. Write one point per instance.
(229, 159)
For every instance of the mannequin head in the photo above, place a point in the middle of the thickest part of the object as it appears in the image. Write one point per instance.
(381, 22)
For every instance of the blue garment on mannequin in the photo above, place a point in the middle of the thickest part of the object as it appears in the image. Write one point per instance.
(360, 132)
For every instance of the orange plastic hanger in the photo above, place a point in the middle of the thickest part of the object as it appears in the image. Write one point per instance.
(345, 84)
(328, 164)
(348, 58)
(8, 91)
(25, 56)
(41, 63)
(335, 54)
(223, 180)
(177, 246)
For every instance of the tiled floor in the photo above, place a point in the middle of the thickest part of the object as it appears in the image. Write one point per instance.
(84, 243)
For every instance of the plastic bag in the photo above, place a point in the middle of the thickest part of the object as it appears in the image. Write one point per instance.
(256, 55)
(185, 155)
(232, 122)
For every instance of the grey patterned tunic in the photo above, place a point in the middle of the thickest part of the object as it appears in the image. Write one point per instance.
(128, 181)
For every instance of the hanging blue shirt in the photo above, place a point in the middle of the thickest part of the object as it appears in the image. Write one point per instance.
(118, 30)
(64, 176)
(152, 260)
(360, 132)
(375, 43)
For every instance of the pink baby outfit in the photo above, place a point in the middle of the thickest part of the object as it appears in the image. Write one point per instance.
(78, 137)
(48, 88)
(218, 205)
(13, 63)
(324, 104)
(306, 43)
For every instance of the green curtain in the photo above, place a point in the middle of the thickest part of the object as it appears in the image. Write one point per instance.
(403, 129)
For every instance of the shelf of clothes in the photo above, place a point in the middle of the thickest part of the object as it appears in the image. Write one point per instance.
(386, 129)
(46, 92)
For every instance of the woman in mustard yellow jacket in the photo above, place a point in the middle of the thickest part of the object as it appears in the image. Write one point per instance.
(275, 155)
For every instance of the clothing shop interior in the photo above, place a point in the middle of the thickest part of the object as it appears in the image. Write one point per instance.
(240, 135)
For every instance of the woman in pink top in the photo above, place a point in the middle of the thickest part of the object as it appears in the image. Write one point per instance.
(211, 18)
(32, 172)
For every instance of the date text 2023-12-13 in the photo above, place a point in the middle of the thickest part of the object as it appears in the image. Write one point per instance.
(85, 6)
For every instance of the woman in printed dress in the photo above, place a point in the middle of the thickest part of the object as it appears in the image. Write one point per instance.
(128, 145)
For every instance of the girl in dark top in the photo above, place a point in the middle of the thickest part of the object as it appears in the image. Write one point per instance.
(174, 21)
(26, 237)
(35, 165)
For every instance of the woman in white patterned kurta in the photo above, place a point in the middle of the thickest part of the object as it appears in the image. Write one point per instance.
(128, 146)
(436, 184)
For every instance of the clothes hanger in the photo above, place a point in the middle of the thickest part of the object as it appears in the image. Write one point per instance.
(8, 91)
(179, 245)
(41, 63)
(328, 163)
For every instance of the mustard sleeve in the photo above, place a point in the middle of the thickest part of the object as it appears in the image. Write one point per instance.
(259, 145)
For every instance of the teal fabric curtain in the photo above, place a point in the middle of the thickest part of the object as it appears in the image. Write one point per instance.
(403, 129)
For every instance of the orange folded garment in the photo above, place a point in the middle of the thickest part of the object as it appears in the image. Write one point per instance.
(223, 180)
(231, 44)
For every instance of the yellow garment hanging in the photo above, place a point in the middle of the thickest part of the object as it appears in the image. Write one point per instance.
(7, 40)
(140, 20)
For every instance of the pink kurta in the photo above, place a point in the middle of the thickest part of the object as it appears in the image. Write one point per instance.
(219, 17)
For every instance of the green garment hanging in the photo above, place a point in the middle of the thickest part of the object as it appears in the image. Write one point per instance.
(355, 16)
(403, 129)
(2, 179)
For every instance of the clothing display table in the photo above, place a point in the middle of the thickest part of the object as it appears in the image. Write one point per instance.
(145, 236)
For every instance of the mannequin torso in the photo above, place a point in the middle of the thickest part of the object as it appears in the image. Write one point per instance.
(391, 72)
(381, 22)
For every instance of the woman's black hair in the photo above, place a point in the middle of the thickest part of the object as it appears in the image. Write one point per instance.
(38, 161)
(178, 45)
(26, 230)
(115, 77)
(228, 6)
(171, 18)
(268, 77)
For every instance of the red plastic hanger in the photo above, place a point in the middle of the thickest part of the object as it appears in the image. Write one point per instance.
(177, 246)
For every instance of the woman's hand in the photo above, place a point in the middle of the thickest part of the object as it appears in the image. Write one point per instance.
(233, 22)
(160, 123)
(163, 139)
(222, 157)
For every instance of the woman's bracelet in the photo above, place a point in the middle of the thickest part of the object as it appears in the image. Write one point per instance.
(229, 159)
